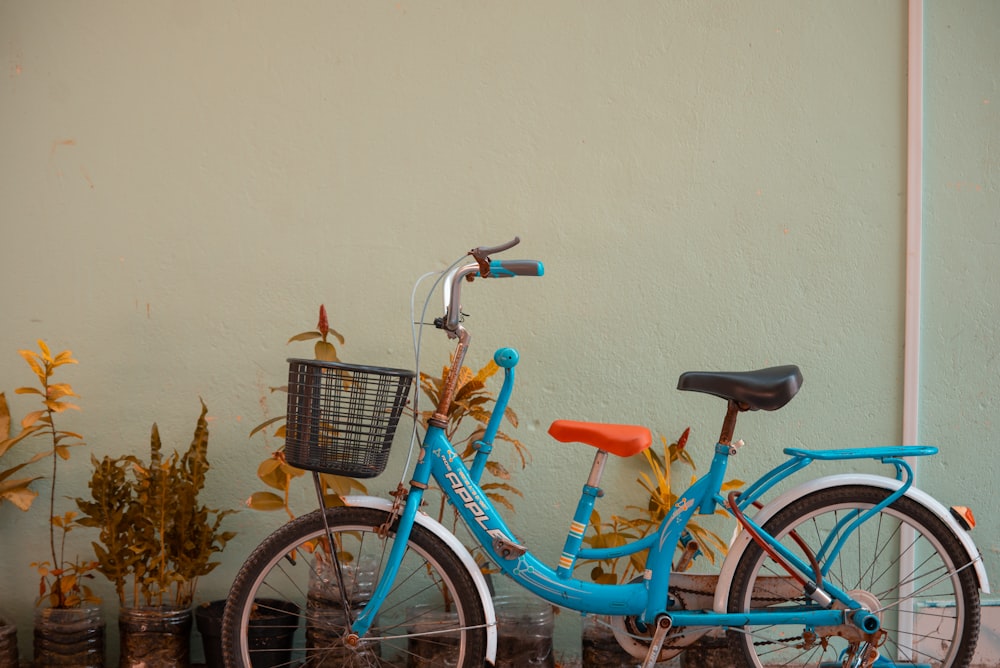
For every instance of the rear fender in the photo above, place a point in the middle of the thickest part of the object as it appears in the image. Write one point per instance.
(460, 551)
(743, 539)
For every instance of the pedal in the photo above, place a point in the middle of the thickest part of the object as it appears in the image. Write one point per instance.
(663, 625)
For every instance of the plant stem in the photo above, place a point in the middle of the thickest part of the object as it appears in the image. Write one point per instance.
(56, 564)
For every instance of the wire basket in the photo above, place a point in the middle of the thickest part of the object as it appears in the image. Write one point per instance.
(342, 417)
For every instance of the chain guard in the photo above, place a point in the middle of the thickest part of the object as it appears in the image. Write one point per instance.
(692, 592)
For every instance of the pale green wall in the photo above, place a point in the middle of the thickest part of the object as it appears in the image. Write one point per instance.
(710, 184)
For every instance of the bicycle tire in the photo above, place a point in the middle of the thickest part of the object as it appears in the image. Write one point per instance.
(937, 625)
(433, 609)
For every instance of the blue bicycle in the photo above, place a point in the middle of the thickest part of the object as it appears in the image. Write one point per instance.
(849, 570)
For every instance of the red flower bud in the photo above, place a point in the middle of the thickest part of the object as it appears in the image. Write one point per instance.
(324, 324)
(682, 441)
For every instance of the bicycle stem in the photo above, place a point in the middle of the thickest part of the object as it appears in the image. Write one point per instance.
(440, 417)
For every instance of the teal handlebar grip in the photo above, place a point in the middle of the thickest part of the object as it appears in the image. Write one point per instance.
(505, 268)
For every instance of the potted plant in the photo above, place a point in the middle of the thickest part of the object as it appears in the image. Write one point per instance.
(600, 647)
(18, 492)
(274, 471)
(155, 541)
(69, 629)
(8, 643)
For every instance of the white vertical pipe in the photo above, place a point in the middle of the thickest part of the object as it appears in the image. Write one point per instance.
(911, 330)
(914, 221)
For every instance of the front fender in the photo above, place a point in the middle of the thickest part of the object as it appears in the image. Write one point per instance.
(460, 551)
(740, 542)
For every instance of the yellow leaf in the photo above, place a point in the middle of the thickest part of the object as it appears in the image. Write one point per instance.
(60, 406)
(333, 500)
(31, 418)
(4, 418)
(325, 352)
(498, 470)
(268, 466)
(65, 357)
(487, 371)
(32, 359)
(60, 390)
(45, 350)
(265, 501)
(62, 451)
(17, 492)
(266, 423)
(67, 583)
(305, 336)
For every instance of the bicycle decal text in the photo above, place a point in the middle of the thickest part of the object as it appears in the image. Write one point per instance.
(470, 503)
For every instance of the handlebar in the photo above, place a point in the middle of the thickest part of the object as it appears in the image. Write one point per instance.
(484, 267)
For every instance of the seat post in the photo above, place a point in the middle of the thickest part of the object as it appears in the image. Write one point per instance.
(597, 469)
(729, 424)
(581, 518)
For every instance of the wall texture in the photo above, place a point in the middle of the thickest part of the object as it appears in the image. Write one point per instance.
(711, 185)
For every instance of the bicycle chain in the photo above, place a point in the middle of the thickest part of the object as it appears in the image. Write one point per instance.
(775, 599)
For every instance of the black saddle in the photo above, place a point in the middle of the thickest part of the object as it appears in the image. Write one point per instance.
(765, 389)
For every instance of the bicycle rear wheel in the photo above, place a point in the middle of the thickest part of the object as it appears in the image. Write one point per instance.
(433, 615)
(922, 586)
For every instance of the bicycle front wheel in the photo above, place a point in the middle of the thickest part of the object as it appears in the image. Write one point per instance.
(903, 563)
(432, 616)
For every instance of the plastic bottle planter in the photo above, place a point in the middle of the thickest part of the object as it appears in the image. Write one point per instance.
(325, 617)
(269, 636)
(8, 644)
(69, 637)
(159, 636)
(524, 630)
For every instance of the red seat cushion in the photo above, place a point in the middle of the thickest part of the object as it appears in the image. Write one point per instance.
(623, 440)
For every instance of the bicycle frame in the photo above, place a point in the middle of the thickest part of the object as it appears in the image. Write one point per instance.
(647, 598)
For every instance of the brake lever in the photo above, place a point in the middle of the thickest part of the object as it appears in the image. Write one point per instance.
(482, 255)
